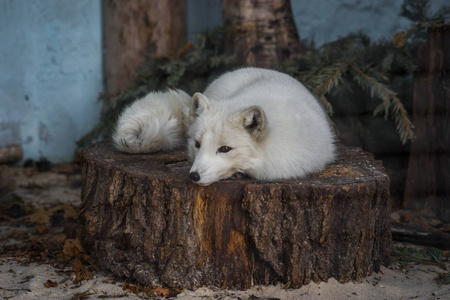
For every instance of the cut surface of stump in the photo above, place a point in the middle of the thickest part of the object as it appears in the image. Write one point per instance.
(145, 220)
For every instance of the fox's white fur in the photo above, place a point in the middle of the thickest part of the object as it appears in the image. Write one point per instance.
(156, 122)
(255, 121)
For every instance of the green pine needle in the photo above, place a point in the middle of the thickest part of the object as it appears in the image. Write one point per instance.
(351, 60)
(404, 254)
(390, 103)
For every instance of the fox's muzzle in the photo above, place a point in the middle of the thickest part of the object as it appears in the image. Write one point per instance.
(194, 176)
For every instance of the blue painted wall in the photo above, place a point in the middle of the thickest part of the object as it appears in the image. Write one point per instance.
(320, 20)
(51, 60)
(202, 15)
(50, 74)
(327, 20)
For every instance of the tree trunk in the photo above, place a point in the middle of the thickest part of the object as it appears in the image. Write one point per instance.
(136, 31)
(260, 32)
(143, 219)
(428, 179)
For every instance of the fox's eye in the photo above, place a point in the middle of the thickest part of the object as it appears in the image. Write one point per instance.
(197, 144)
(224, 149)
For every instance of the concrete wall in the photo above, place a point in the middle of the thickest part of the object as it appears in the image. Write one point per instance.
(320, 20)
(327, 20)
(50, 74)
(202, 15)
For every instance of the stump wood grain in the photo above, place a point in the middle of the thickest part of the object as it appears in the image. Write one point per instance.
(143, 219)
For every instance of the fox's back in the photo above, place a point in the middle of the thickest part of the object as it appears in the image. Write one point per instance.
(267, 88)
(298, 132)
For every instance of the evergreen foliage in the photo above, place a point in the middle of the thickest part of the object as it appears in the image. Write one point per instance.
(348, 61)
(191, 70)
(404, 254)
(358, 60)
(443, 278)
(418, 11)
(355, 59)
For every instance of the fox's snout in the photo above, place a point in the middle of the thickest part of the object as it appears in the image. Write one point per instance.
(207, 173)
(194, 176)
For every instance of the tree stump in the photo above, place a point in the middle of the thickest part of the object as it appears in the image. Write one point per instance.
(145, 220)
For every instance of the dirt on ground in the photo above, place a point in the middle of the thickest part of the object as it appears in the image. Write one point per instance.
(42, 258)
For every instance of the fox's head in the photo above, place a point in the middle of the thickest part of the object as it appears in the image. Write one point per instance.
(221, 141)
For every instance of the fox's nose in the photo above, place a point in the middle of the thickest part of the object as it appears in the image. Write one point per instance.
(194, 176)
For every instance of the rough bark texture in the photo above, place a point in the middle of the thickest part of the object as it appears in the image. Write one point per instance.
(135, 31)
(428, 180)
(143, 219)
(260, 32)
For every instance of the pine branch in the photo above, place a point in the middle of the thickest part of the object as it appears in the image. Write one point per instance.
(327, 78)
(334, 68)
(335, 76)
(326, 105)
(189, 70)
(418, 11)
(415, 10)
(390, 103)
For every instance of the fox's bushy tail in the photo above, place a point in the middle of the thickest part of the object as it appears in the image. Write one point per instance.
(153, 123)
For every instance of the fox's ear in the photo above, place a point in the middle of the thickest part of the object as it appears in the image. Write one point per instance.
(199, 104)
(254, 121)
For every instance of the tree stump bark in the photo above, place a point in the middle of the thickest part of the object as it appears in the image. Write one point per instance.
(144, 220)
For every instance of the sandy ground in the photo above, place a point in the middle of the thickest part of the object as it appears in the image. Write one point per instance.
(19, 281)
(22, 279)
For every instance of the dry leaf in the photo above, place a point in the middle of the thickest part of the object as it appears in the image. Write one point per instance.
(159, 291)
(50, 284)
(69, 210)
(83, 275)
(131, 287)
(77, 265)
(59, 238)
(72, 247)
(40, 216)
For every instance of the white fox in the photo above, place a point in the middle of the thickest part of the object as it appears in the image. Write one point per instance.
(259, 122)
